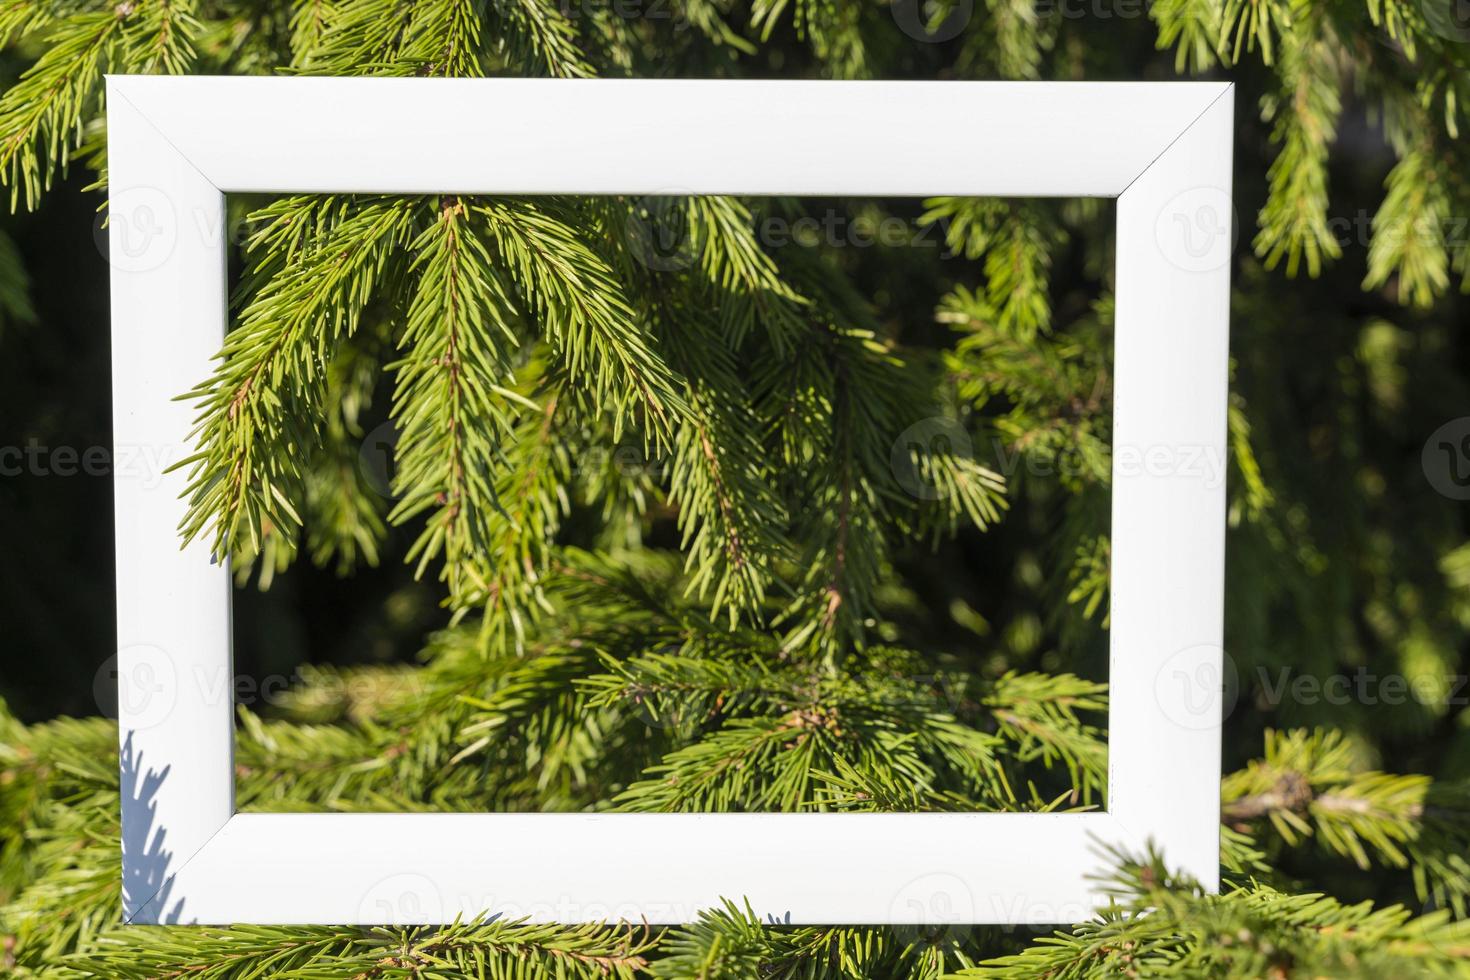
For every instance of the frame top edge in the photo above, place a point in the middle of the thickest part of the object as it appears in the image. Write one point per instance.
(1217, 85)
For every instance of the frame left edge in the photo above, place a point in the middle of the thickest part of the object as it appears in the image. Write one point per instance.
(175, 695)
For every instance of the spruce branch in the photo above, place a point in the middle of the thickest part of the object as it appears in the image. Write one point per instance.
(494, 950)
(1306, 786)
(730, 518)
(160, 38)
(1040, 715)
(1293, 221)
(532, 489)
(1409, 230)
(586, 317)
(542, 35)
(833, 30)
(363, 37)
(41, 116)
(1163, 926)
(1055, 392)
(44, 116)
(1015, 242)
(452, 403)
(320, 262)
(388, 37)
(345, 520)
(444, 38)
(1014, 39)
(730, 942)
(309, 24)
(730, 252)
(1193, 28)
(1247, 24)
(22, 18)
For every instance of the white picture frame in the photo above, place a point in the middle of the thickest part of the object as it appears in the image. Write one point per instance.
(177, 146)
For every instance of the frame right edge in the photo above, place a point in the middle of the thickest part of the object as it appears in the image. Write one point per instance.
(1171, 384)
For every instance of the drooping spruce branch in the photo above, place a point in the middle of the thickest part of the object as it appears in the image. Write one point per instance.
(321, 261)
(452, 405)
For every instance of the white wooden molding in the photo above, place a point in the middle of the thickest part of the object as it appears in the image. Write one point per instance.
(177, 145)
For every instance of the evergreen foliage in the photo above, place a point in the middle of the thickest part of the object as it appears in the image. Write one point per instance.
(695, 514)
